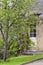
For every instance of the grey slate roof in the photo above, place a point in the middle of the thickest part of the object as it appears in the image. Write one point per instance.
(38, 6)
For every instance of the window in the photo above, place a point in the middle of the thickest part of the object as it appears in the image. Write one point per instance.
(33, 30)
(33, 33)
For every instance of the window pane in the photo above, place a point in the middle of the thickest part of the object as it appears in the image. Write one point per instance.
(33, 33)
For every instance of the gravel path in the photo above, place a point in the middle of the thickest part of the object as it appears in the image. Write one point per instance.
(39, 62)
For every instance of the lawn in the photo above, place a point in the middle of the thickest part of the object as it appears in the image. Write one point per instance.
(20, 59)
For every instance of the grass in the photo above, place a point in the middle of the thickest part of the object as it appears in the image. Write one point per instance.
(20, 59)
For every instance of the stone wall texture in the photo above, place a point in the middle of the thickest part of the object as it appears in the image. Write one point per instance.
(39, 36)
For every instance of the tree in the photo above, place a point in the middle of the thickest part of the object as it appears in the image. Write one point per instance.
(13, 16)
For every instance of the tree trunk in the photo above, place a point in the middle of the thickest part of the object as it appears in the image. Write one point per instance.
(5, 52)
(5, 55)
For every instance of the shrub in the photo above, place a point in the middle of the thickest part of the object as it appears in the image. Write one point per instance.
(1, 47)
(14, 48)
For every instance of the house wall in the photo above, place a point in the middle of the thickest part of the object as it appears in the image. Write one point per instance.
(35, 42)
(39, 36)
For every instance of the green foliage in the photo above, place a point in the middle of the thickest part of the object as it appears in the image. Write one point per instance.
(14, 23)
(26, 43)
(1, 47)
(1, 43)
(14, 48)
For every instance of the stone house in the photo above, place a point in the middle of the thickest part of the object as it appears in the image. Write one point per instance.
(37, 35)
